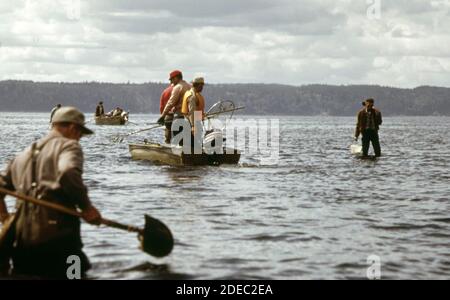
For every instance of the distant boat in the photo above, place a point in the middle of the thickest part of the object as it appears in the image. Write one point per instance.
(117, 120)
(173, 155)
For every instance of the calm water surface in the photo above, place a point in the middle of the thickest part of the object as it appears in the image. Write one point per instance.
(319, 213)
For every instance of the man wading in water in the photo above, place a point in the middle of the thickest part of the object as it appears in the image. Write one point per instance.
(368, 124)
(51, 169)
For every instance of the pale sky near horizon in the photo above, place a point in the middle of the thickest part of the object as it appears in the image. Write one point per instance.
(402, 43)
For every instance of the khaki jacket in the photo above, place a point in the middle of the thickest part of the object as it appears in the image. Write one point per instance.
(58, 174)
(192, 102)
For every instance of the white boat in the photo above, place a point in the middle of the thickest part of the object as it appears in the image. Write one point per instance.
(106, 120)
(173, 155)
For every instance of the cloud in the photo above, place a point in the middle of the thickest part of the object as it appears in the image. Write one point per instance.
(286, 41)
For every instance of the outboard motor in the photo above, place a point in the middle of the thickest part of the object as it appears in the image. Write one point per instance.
(124, 116)
(213, 142)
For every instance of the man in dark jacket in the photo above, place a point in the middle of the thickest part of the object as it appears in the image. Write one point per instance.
(51, 170)
(368, 123)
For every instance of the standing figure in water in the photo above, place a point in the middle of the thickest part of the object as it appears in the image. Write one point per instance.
(368, 123)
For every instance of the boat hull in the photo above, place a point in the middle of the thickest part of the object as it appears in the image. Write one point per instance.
(110, 120)
(173, 155)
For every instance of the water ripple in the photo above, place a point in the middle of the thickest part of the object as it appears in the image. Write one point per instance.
(318, 213)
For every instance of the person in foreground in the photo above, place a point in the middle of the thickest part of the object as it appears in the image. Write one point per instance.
(368, 123)
(51, 170)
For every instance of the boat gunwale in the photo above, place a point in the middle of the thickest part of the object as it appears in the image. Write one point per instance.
(185, 159)
(103, 120)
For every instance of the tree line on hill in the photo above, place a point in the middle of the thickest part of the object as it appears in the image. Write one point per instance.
(260, 99)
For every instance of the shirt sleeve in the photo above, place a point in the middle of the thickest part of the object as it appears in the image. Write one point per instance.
(6, 179)
(174, 97)
(70, 166)
(161, 103)
(358, 125)
(6, 183)
(192, 101)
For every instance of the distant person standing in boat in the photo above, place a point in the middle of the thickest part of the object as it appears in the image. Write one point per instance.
(368, 123)
(51, 169)
(58, 106)
(173, 106)
(100, 110)
(165, 96)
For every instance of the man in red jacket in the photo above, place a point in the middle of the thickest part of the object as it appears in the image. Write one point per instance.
(165, 96)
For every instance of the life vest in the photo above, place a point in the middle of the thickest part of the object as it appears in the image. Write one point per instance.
(200, 102)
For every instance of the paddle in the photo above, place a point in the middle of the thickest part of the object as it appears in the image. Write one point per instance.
(156, 238)
(120, 138)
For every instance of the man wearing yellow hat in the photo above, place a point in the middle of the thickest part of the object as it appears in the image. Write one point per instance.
(51, 170)
(193, 101)
(193, 109)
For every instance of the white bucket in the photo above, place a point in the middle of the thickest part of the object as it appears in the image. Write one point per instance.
(356, 149)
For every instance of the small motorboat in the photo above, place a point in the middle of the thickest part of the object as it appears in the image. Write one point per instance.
(106, 120)
(173, 155)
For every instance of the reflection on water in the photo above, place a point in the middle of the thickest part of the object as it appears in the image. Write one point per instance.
(319, 213)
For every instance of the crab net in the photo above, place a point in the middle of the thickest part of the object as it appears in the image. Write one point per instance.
(219, 115)
(221, 108)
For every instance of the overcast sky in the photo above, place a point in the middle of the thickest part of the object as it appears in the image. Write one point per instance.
(403, 43)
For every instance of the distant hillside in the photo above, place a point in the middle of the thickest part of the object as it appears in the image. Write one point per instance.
(263, 99)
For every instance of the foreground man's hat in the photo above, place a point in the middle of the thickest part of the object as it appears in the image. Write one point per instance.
(71, 114)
